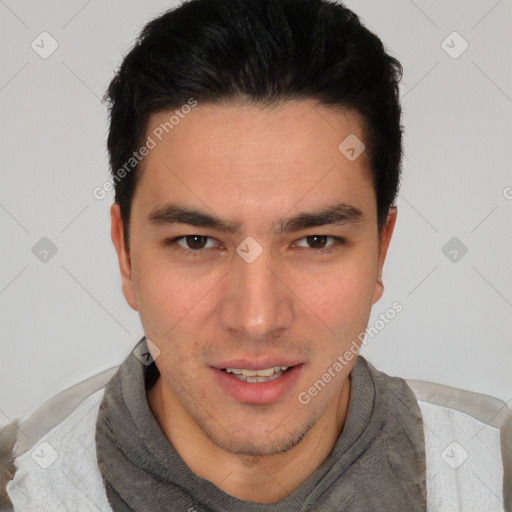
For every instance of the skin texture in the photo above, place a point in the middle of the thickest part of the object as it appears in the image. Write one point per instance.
(252, 166)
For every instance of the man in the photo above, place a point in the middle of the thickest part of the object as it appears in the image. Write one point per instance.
(255, 148)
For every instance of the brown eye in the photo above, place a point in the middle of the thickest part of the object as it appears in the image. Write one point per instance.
(321, 243)
(196, 241)
(192, 245)
(317, 241)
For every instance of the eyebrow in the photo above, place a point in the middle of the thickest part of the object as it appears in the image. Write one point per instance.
(337, 214)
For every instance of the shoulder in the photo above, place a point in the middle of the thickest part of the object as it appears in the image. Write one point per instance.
(60, 472)
(468, 448)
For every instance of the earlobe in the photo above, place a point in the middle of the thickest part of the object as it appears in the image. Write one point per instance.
(384, 241)
(377, 291)
(123, 255)
(379, 288)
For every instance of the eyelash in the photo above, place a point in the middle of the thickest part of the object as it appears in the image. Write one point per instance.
(339, 241)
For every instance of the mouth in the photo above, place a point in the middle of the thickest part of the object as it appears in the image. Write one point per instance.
(264, 385)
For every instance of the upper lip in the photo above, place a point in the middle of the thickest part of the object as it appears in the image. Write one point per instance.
(252, 364)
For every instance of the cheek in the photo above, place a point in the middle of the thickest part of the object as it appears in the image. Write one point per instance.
(340, 296)
(165, 297)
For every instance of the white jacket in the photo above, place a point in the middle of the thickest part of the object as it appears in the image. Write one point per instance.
(468, 444)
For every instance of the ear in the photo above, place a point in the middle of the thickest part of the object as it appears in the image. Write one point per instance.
(384, 239)
(123, 256)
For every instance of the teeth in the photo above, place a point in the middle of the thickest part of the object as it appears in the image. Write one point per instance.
(267, 372)
(243, 378)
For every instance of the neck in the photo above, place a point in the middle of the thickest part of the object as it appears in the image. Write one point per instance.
(260, 479)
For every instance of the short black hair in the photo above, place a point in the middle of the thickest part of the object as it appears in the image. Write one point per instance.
(264, 52)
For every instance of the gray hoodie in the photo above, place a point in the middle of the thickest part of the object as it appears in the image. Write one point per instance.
(377, 463)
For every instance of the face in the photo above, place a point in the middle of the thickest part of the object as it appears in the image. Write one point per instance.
(253, 245)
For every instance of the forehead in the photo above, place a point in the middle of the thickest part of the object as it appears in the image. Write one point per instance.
(241, 156)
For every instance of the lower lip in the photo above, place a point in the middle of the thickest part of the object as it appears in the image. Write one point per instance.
(258, 392)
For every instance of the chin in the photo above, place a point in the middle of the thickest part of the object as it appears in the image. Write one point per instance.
(254, 442)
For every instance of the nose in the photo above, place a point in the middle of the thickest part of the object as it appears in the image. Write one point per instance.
(257, 304)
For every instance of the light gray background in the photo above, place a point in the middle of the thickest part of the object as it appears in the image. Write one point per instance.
(66, 319)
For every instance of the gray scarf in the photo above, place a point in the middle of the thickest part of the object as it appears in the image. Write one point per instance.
(377, 463)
